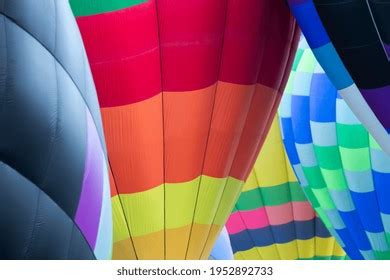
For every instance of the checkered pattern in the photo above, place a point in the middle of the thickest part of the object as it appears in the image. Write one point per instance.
(341, 168)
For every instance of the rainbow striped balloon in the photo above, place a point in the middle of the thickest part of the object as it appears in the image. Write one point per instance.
(187, 91)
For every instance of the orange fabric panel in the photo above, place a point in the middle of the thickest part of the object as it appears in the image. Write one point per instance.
(123, 250)
(113, 187)
(187, 118)
(232, 103)
(134, 136)
(177, 242)
(150, 246)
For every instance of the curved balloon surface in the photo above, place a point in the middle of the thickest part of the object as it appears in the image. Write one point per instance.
(222, 249)
(341, 167)
(54, 186)
(272, 218)
(351, 41)
(187, 90)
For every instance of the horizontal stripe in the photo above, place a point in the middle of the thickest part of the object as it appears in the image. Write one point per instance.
(352, 136)
(166, 244)
(274, 215)
(124, 71)
(269, 196)
(247, 239)
(137, 167)
(85, 8)
(187, 117)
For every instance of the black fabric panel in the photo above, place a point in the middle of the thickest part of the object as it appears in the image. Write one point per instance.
(43, 120)
(352, 31)
(381, 12)
(32, 226)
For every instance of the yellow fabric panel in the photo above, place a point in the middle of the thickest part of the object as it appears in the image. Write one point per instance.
(288, 251)
(251, 183)
(338, 250)
(228, 199)
(251, 254)
(123, 250)
(210, 194)
(306, 248)
(268, 252)
(177, 242)
(121, 231)
(271, 158)
(199, 234)
(144, 211)
(290, 172)
(324, 246)
(238, 256)
(150, 246)
(215, 230)
(180, 201)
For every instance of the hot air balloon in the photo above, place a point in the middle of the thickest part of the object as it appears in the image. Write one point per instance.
(337, 161)
(54, 184)
(222, 249)
(272, 218)
(187, 90)
(351, 41)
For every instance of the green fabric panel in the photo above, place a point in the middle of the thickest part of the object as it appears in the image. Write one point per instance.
(311, 197)
(373, 143)
(250, 200)
(352, 136)
(382, 255)
(314, 177)
(296, 191)
(277, 195)
(335, 179)
(324, 199)
(93, 7)
(297, 59)
(356, 159)
(339, 258)
(322, 258)
(290, 83)
(270, 196)
(328, 157)
(307, 63)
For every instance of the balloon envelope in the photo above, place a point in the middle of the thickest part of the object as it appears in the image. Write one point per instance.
(187, 90)
(337, 162)
(351, 41)
(54, 187)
